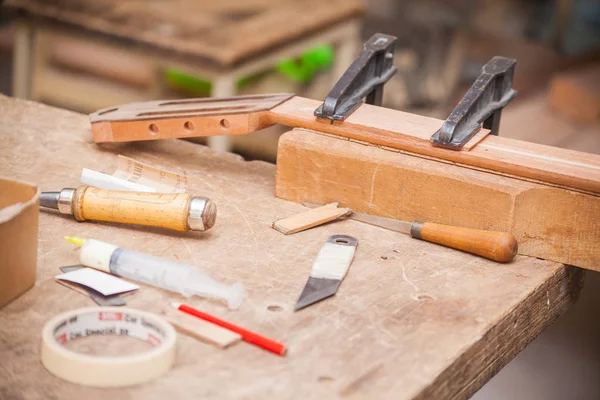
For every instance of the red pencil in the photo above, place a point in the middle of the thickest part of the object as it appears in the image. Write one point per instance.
(248, 336)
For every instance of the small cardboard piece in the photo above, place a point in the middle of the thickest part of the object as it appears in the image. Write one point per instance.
(19, 214)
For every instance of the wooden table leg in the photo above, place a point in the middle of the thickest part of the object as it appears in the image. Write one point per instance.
(23, 57)
(158, 89)
(222, 86)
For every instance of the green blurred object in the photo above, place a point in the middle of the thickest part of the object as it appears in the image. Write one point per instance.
(187, 82)
(197, 86)
(301, 70)
(308, 64)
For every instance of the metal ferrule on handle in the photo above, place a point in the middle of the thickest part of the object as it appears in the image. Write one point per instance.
(61, 201)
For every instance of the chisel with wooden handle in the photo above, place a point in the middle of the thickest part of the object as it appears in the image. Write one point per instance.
(176, 211)
(497, 246)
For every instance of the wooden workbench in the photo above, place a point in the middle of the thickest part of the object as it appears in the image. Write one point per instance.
(222, 33)
(411, 319)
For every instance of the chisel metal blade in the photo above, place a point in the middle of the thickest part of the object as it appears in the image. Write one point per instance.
(328, 270)
(315, 290)
(395, 225)
(391, 224)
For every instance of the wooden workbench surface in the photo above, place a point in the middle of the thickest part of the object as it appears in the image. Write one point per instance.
(225, 32)
(411, 319)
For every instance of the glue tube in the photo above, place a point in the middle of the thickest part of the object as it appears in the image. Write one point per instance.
(155, 271)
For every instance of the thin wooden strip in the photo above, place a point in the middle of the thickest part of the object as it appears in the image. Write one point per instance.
(202, 330)
(403, 131)
(310, 218)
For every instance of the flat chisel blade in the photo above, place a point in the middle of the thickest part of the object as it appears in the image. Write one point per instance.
(395, 225)
(328, 270)
(391, 224)
(316, 289)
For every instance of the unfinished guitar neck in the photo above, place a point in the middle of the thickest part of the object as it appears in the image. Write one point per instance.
(368, 124)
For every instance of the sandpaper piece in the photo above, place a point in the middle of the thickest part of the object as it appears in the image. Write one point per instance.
(103, 301)
(102, 282)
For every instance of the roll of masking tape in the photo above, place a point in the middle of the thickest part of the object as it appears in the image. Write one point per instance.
(107, 371)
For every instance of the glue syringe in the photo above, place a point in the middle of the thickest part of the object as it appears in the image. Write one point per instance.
(155, 271)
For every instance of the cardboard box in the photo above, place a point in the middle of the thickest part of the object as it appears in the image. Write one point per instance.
(19, 214)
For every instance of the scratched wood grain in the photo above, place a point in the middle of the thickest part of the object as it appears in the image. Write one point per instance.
(411, 320)
(225, 32)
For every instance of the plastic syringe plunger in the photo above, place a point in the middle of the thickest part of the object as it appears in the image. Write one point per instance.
(156, 271)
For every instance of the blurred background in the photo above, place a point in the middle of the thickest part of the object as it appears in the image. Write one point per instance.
(47, 54)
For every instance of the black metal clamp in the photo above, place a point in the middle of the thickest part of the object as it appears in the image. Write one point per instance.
(364, 78)
(482, 104)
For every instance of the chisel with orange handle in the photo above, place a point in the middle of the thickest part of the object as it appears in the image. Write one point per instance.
(176, 211)
(497, 246)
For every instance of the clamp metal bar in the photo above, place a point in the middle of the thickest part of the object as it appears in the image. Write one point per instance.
(482, 104)
(363, 79)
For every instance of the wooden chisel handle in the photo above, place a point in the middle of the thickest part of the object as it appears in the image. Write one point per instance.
(497, 246)
(177, 211)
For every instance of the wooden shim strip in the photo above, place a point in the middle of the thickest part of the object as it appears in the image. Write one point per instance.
(397, 185)
(404, 131)
(202, 330)
(310, 218)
